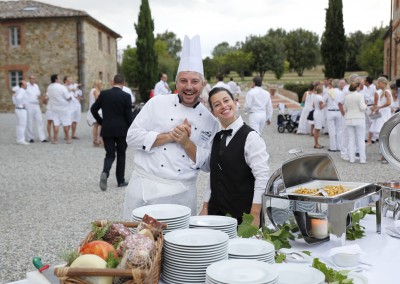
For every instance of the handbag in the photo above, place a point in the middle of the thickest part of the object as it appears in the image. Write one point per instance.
(375, 115)
(311, 115)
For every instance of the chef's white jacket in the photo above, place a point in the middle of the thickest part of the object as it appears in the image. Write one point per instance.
(162, 114)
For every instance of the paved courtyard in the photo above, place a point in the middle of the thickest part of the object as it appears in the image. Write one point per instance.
(49, 194)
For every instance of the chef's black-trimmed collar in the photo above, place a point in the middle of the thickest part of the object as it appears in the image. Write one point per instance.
(180, 101)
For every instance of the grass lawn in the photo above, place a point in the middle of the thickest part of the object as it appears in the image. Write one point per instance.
(288, 77)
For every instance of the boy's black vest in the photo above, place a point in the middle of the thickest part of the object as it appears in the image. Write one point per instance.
(232, 182)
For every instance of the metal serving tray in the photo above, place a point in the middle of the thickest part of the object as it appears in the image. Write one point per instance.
(320, 184)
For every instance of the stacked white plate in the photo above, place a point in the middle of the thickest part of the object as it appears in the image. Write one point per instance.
(188, 253)
(251, 249)
(175, 216)
(221, 223)
(290, 273)
(243, 271)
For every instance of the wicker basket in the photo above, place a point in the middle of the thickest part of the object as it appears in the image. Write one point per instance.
(69, 275)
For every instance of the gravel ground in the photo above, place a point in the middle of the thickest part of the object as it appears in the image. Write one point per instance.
(49, 194)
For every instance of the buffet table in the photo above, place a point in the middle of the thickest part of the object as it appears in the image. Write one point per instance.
(380, 250)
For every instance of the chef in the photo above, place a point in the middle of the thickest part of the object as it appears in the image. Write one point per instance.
(172, 138)
(238, 164)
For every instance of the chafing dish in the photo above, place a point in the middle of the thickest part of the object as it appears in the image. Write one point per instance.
(389, 144)
(281, 204)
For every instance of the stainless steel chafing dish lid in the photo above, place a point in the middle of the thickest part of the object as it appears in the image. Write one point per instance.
(389, 140)
(307, 168)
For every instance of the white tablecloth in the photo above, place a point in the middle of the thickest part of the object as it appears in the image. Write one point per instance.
(380, 250)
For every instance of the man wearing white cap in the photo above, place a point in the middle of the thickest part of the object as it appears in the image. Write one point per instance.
(172, 136)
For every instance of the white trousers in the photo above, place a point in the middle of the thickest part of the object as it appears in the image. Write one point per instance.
(146, 189)
(34, 120)
(21, 124)
(335, 128)
(344, 141)
(257, 121)
(356, 135)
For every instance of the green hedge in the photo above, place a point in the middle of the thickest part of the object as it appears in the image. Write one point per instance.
(299, 89)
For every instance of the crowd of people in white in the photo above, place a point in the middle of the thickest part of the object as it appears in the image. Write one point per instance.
(63, 108)
(352, 112)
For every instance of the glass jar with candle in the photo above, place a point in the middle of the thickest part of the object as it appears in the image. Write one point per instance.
(318, 226)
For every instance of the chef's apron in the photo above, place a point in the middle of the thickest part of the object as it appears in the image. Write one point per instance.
(146, 189)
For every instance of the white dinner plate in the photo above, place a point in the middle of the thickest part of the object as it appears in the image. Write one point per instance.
(201, 262)
(249, 247)
(177, 280)
(290, 273)
(213, 221)
(196, 237)
(214, 248)
(191, 253)
(235, 271)
(162, 211)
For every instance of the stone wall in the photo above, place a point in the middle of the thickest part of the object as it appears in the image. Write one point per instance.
(50, 46)
(97, 61)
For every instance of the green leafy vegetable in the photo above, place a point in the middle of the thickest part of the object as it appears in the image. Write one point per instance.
(280, 238)
(306, 252)
(69, 256)
(112, 261)
(356, 231)
(100, 232)
(331, 275)
(246, 229)
(280, 257)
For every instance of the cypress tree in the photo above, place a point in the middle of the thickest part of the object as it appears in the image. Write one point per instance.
(146, 57)
(333, 46)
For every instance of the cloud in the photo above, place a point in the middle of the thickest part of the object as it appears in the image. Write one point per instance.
(231, 21)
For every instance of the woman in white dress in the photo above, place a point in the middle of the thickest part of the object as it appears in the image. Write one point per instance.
(94, 93)
(354, 107)
(382, 102)
(304, 126)
(319, 117)
(394, 106)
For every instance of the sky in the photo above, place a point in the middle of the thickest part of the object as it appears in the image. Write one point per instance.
(231, 21)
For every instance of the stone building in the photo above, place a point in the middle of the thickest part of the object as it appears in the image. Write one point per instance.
(42, 39)
(391, 65)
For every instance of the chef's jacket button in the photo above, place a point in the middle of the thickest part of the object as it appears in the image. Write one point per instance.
(162, 165)
(200, 114)
(172, 119)
(179, 170)
(165, 149)
(183, 156)
(197, 168)
(144, 147)
(195, 128)
(174, 104)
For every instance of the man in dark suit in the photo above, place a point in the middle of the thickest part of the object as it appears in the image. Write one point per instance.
(116, 106)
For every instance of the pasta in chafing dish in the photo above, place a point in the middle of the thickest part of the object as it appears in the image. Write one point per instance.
(304, 190)
(331, 190)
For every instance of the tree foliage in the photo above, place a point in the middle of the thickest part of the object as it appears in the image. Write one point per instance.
(354, 42)
(174, 44)
(371, 58)
(128, 66)
(302, 50)
(166, 61)
(146, 57)
(333, 46)
(268, 53)
(222, 49)
(240, 61)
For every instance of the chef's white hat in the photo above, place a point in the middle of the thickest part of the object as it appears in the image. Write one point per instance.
(191, 55)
